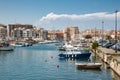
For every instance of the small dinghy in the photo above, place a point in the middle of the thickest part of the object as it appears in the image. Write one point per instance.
(88, 65)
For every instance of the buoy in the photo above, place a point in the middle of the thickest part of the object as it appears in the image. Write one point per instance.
(45, 60)
(58, 66)
(51, 56)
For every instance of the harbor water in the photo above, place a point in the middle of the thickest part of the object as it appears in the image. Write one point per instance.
(41, 62)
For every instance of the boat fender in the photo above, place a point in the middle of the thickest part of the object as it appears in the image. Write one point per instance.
(58, 66)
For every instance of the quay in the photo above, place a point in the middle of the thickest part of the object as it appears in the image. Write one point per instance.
(110, 57)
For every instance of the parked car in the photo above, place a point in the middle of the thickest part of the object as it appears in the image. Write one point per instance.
(109, 44)
(116, 46)
(102, 42)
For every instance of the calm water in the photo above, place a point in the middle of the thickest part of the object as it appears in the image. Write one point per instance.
(36, 63)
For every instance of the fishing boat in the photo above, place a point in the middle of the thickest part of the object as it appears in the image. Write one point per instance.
(88, 65)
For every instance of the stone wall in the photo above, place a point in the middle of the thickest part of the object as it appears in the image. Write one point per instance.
(115, 64)
(112, 59)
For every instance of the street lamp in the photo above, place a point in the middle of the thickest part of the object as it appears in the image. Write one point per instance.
(116, 30)
(102, 31)
(95, 33)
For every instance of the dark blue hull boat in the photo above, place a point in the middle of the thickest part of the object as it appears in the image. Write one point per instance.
(78, 55)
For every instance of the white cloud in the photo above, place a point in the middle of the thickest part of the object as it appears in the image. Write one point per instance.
(87, 20)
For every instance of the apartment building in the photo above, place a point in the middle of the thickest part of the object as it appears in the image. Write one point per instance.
(29, 33)
(41, 34)
(17, 33)
(71, 33)
(3, 31)
(13, 26)
(55, 35)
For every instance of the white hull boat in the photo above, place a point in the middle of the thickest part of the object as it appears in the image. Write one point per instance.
(9, 48)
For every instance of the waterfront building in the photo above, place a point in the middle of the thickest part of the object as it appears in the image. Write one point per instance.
(29, 33)
(71, 33)
(13, 26)
(92, 32)
(59, 35)
(98, 33)
(81, 34)
(52, 35)
(17, 33)
(22, 33)
(41, 34)
(55, 35)
(112, 33)
(65, 35)
(45, 34)
(3, 31)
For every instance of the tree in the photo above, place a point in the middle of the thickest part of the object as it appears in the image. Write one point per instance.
(95, 45)
(88, 36)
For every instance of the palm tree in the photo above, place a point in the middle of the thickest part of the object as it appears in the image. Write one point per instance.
(95, 46)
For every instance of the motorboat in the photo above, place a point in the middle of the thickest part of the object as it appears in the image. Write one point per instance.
(7, 48)
(73, 53)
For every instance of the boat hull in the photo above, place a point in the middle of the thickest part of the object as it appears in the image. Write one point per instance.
(6, 48)
(88, 65)
(81, 55)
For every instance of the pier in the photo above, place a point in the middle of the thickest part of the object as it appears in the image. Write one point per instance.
(110, 57)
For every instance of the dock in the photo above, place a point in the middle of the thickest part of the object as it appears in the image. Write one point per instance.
(110, 57)
(88, 65)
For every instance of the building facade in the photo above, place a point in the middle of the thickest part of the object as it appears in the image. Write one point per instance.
(55, 35)
(29, 33)
(71, 33)
(13, 26)
(17, 33)
(40, 34)
(3, 31)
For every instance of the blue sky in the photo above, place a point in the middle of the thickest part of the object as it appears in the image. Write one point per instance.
(41, 13)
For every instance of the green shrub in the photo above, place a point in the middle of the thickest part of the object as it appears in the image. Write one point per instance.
(95, 45)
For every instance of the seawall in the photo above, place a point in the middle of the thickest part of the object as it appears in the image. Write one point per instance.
(110, 57)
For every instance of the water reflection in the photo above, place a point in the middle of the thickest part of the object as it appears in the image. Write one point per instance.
(5, 52)
(73, 59)
(106, 67)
